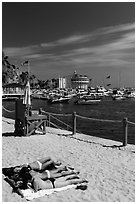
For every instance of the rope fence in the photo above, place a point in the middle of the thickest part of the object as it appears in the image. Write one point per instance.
(101, 120)
(74, 117)
(9, 111)
(62, 122)
(57, 114)
(131, 123)
(124, 122)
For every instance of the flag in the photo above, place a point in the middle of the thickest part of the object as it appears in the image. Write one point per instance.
(108, 77)
(108, 84)
(26, 99)
(25, 63)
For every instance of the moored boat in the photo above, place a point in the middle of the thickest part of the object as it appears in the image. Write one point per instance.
(83, 101)
(118, 97)
(61, 99)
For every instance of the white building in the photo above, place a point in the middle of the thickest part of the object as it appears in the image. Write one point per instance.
(62, 83)
(79, 81)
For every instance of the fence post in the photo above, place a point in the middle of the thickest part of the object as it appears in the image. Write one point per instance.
(125, 131)
(49, 119)
(74, 122)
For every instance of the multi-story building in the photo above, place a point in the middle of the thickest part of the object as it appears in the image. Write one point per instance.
(79, 81)
(61, 83)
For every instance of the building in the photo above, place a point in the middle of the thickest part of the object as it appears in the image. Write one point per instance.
(61, 83)
(13, 90)
(79, 81)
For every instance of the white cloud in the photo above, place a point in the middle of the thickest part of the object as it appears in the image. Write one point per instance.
(118, 28)
(88, 49)
(20, 51)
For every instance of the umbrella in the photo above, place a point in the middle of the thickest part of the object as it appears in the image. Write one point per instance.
(26, 99)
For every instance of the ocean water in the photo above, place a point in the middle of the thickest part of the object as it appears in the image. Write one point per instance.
(106, 110)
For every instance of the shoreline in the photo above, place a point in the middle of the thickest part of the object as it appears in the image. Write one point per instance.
(110, 168)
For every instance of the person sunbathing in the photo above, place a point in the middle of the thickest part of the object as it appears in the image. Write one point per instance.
(51, 174)
(58, 177)
(49, 179)
(44, 164)
(54, 173)
(39, 184)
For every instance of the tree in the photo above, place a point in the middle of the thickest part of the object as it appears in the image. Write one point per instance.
(23, 77)
(9, 71)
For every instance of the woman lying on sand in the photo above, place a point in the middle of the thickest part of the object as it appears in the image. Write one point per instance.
(45, 163)
(45, 174)
(49, 179)
(39, 184)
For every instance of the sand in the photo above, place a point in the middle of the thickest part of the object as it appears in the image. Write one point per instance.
(109, 167)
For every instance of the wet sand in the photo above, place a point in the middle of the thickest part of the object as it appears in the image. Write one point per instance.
(109, 167)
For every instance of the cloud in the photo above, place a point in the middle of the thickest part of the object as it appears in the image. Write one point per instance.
(73, 39)
(104, 47)
(48, 45)
(82, 38)
(114, 51)
(118, 28)
(20, 51)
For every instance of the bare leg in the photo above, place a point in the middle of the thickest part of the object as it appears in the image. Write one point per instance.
(39, 184)
(45, 159)
(55, 174)
(35, 165)
(47, 165)
(73, 179)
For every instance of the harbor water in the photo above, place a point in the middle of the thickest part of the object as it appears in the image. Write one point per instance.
(108, 109)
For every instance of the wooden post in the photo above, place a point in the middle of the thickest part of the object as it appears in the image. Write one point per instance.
(74, 122)
(44, 127)
(27, 129)
(15, 131)
(125, 131)
(49, 119)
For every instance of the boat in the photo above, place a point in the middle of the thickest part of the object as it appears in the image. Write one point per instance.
(59, 99)
(83, 101)
(118, 97)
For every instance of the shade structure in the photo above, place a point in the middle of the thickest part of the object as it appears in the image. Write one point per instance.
(26, 99)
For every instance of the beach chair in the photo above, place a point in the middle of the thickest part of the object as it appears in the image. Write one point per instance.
(27, 121)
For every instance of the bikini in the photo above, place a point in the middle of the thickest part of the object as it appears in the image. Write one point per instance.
(40, 165)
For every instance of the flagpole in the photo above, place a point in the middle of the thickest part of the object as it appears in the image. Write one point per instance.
(28, 70)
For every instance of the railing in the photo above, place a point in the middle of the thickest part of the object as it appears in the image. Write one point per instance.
(52, 115)
(9, 111)
(125, 130)
(74, 116)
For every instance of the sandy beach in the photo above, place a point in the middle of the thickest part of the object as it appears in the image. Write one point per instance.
(109, 167)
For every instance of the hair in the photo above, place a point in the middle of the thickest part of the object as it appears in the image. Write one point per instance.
(25, 176)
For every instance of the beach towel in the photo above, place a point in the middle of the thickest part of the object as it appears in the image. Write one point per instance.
(30, 194)
(26, 191)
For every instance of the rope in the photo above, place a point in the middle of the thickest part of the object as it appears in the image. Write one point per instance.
(131, 123)
(61, 121)
(55, 125)
(8, 110)
(56, 113)
(112, 121)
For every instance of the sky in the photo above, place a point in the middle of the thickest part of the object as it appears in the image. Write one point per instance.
(94, 38)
